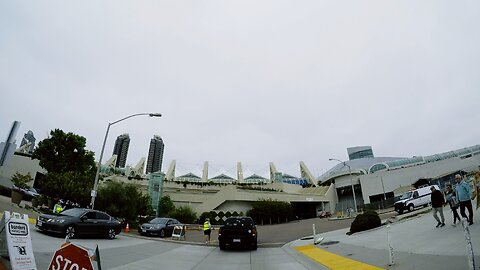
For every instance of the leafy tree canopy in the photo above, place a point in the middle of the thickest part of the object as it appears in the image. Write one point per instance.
(123, 200)
(165, 206)
(70, 167)
(21, 180)
(73, 186)
(270, 210)
(64, 152)
(184, 214)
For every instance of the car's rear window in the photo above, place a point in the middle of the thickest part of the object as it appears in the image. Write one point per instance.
(238, 222)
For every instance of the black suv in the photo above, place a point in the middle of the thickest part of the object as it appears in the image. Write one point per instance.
(239, 231)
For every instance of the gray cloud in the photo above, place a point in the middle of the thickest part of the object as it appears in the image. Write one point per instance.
(277, 81)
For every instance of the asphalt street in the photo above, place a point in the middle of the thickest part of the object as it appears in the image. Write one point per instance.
(127, 252)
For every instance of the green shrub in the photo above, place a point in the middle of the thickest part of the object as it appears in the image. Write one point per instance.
(21, 180)
(202, 217)
(40, 200)
(270, 211)
(123, 201)
(365, 221)
(184, 214)
(165, 206)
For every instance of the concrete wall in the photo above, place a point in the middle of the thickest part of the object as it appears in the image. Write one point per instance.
(230, 198)
(239, 206)
(20, 164)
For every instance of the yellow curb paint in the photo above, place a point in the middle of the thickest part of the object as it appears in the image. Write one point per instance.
(333, 261)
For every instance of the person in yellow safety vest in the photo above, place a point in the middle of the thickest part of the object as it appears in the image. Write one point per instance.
(57, 208)
(207, 229)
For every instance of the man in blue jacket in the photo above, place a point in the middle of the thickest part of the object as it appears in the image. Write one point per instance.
(463, 192)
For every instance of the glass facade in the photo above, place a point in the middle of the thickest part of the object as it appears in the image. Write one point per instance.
(121, 150)
(377, 167)
(361, 154)
(155, 155)
(474, 150)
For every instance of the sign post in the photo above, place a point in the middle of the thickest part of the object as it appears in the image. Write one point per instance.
(15, 242)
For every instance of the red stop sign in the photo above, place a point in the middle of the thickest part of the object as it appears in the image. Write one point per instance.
(71, 257)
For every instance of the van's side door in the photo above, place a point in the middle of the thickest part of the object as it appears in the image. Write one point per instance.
(416, 199)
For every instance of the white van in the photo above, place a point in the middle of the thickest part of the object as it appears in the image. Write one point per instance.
(414, 198)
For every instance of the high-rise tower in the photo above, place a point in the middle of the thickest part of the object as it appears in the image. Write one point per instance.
(28, 138)
(121, 150)
(155, 154)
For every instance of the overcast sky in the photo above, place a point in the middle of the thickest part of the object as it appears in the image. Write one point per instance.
(250, 81)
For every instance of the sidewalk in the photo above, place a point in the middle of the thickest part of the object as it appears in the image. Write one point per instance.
(7, 205)
(416, 242)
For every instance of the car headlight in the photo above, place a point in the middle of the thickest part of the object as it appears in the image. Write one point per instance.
(56, 220)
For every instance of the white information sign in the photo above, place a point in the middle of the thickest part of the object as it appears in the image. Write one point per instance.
(15, 234)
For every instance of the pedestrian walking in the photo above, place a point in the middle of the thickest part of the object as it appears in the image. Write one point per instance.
(207, 230)
(463, 193)
(437, 206)
(452, 201)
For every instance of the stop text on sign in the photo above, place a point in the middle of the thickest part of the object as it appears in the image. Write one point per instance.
(66, 263)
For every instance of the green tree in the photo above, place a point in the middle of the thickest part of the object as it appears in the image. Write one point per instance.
(165, 206)
(70, 167)
(123, 200)
(72, 186)
(184, 214)
(64, 152)
(269, 211)
(21, 180)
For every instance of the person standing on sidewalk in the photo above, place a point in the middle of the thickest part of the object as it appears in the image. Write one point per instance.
(437, 206)
(463, 192)
(207, 230)
(453, 202)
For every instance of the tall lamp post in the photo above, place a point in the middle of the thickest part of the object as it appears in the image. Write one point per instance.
(95, 185)
(351, 181)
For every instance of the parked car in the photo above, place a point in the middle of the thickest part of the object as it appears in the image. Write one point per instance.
(414, 198)
(31, 192)
(28, 192)
(160, 226)
(238, 231)
(80, 221)
(324, 214)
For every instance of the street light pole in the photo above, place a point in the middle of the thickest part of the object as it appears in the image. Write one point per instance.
(351, 181)
(383, 187)
(95, 185)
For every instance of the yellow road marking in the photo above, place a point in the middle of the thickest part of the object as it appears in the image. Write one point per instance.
(333, 261)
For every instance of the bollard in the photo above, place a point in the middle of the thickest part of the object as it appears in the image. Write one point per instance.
(390, 248)
(469, 247)
(314, 233)
(316, 241)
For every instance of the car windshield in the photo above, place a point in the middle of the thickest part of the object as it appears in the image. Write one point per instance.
(73, 212)
(159, 220)
(406, 195)
(238, 222)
